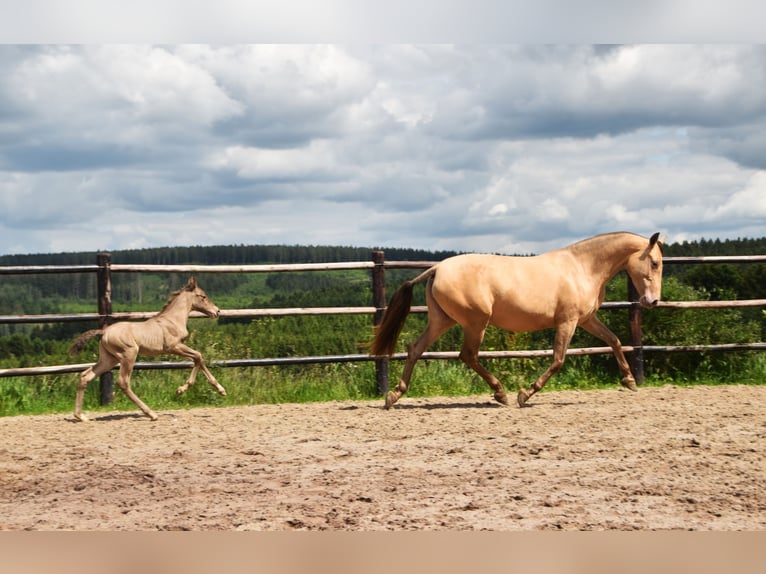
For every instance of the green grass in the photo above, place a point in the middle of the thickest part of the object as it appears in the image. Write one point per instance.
(346, 381)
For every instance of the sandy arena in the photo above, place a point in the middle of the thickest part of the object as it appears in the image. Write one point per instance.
(662, 458)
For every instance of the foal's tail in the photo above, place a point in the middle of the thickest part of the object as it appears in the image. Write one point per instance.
(398, 308)
(79, 342)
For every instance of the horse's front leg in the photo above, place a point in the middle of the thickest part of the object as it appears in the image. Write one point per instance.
(595, 327)
(199, 363)
(564, 334)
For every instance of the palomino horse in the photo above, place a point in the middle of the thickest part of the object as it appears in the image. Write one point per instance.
(163, 333)
(560, 289)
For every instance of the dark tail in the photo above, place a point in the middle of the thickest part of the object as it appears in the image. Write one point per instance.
(79, 342)
(398, 308)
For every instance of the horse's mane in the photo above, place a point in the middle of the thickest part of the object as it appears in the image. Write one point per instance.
(171, 298)
(588, 244)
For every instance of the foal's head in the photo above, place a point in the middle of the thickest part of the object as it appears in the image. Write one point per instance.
(200, 301)
(645, 270)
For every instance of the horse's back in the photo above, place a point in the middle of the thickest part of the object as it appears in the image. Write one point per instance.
(512, 292)
(146, 336)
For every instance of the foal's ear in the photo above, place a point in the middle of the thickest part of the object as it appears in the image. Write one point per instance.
(192, 284)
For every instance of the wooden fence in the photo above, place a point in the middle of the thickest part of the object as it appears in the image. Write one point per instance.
(104, 268)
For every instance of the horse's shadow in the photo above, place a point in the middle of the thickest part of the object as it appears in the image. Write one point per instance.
(432, 406)
(465, 405)
(117, 417)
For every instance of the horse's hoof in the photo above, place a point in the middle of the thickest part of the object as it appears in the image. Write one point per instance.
(522, 398)
(180, 390)
(222, 391)
(81, 417)
(501, 398)
(391, 398)
(629, 383)
(152, 416)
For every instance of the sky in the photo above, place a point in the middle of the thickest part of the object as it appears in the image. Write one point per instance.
(509, 147)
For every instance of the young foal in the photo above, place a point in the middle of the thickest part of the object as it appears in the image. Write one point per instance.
(164, 333)
(560, 289)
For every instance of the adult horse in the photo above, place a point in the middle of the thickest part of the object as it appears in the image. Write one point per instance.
(163, 333)
(560, 289)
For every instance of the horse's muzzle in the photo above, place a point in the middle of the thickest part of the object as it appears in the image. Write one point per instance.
(648, 303)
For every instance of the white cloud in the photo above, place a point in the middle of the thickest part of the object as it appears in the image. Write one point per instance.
(315, 161)
(478, 147)
(748, 203)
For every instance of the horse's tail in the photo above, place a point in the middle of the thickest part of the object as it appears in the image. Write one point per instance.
(79, 342)
(398, 308)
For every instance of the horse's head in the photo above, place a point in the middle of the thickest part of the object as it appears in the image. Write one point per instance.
(200, 300)
(645, 270)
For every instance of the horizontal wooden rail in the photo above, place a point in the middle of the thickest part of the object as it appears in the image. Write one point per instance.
(355, 358)
(277, 268)
(33, 269)
(294, 311)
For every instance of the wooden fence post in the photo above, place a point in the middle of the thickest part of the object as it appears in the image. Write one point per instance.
(634, 318)
(104, 282)
(379, 302)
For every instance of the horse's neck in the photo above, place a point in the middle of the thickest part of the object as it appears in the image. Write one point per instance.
(177, 311)
(606, 255)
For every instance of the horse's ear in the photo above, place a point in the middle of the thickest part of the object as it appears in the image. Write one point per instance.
(192, 284)
(653, 239)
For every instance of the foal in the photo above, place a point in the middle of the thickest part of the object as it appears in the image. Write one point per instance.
(164, 333)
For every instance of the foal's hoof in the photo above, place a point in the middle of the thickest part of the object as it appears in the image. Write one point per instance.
(222, 391)
(522, 397)
(501, 398)
(391, 398)
(81, 417)
(629, 383)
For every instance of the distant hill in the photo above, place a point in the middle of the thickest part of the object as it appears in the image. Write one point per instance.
(257, 254)
(227, 255)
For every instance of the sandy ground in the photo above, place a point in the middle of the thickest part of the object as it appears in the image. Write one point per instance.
(662, 458)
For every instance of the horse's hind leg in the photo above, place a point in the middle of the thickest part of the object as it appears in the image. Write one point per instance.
(469, 354)
(105, 363)
(438, 324)
(85, 377)
(126, 369)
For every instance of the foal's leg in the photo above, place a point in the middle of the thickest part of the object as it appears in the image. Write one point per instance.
(126, 369)
(106, 362)
(199, 363)
(469, 354)
(564, 334)
(438, 323)
(595, 327)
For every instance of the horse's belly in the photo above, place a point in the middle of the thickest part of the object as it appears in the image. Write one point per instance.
(519, 320)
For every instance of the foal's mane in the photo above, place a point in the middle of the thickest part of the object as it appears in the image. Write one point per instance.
(171, 298)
